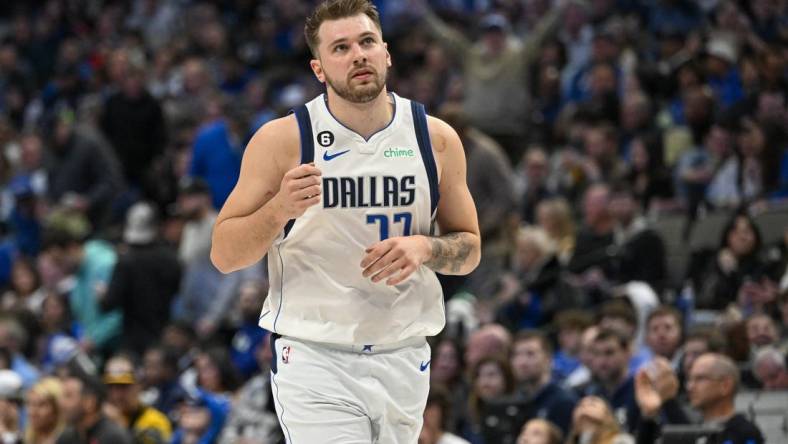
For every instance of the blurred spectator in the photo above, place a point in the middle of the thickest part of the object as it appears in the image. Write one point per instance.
(146, 424)
(13, 338)
(611, 378)
(531, 365)
(489, 340)
(708, 173)
(91, 262)
(540, 431)
(593, 421)
(25, 291)
(761, 332)
(201, 279)
(495, 73)
(181, 338)
(10, 407)
(664, 332)
(769, 367)
(648, 178)
(216, 155)
(591, 257)
(555, 217)
(436, 416)
(215, 372)
(532, 292)
(619, 315)
(712, 385)
(447, 371)
(569, 325)
(722, 72)
(580, 378)
(81, 174)
(633, 236)
(697, 342)
(248, 335)
(531, 185)
(160, 378)
(491, 378)
(736, 262)
(133, 122)
(83, 396)
(45, 419)
(253, 418)
(144, 281)
(202, 417)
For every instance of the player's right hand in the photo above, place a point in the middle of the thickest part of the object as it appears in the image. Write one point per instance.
(299, 190)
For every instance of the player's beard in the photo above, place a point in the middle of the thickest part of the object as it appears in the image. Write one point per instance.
(354, 92)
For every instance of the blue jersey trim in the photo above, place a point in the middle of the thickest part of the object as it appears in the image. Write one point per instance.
(307, 145)
(305, 129)
(281, 286)
(282, 407)
(366, 139)
(425, 146)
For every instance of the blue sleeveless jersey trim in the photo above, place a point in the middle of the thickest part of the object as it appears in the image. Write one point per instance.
(425, 146)
(307, 145)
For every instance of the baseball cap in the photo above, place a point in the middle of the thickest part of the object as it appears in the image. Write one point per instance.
(10, 385)
(118, 372)
(494, 21)
(722, 49)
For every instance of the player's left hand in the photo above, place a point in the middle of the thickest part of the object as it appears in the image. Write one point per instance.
(395, 258)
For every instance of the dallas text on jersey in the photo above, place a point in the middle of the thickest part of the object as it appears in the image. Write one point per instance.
(365, 192)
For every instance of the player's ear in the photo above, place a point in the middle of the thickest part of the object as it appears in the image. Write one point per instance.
(317, 69)
(388, 55)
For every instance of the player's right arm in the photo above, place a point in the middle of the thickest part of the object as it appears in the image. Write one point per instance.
(272, 189)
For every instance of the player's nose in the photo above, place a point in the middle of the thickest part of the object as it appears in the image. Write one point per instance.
(359, 55)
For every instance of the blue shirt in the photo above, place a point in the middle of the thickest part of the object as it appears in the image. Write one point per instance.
(243, 348)
(216, 160)
(622, 401)
(554, 404)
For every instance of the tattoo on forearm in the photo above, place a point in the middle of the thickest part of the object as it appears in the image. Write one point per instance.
(449, 252)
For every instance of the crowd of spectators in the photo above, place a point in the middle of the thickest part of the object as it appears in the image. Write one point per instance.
(123, 124)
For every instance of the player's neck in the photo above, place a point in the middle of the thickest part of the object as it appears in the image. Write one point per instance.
(364, 118)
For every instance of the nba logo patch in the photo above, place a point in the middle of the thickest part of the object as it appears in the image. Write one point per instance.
(285, 354)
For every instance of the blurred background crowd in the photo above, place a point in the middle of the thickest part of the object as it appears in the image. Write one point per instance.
(627, 159)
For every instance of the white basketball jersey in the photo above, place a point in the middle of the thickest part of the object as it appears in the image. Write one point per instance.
(373, 189)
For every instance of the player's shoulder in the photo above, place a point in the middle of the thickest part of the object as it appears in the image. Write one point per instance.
(282, 129)
(280, 136)
(442, 135)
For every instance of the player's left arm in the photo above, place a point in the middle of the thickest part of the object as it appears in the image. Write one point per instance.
(458, 249)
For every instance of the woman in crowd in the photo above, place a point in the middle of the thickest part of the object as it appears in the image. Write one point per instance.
(491, 378)
(593, 423)
(736, 261)
(540, 431)
(44, 418)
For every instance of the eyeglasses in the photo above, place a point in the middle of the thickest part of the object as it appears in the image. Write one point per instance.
(693, 379)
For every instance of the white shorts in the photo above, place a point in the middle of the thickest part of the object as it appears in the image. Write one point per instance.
(334, 394)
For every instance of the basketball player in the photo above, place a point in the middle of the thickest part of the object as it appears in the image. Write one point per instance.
(342, 196)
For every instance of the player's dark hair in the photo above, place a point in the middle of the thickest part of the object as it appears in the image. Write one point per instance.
(335, 10)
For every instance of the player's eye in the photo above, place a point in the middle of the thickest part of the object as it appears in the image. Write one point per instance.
(368, 41)
(340, 48)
